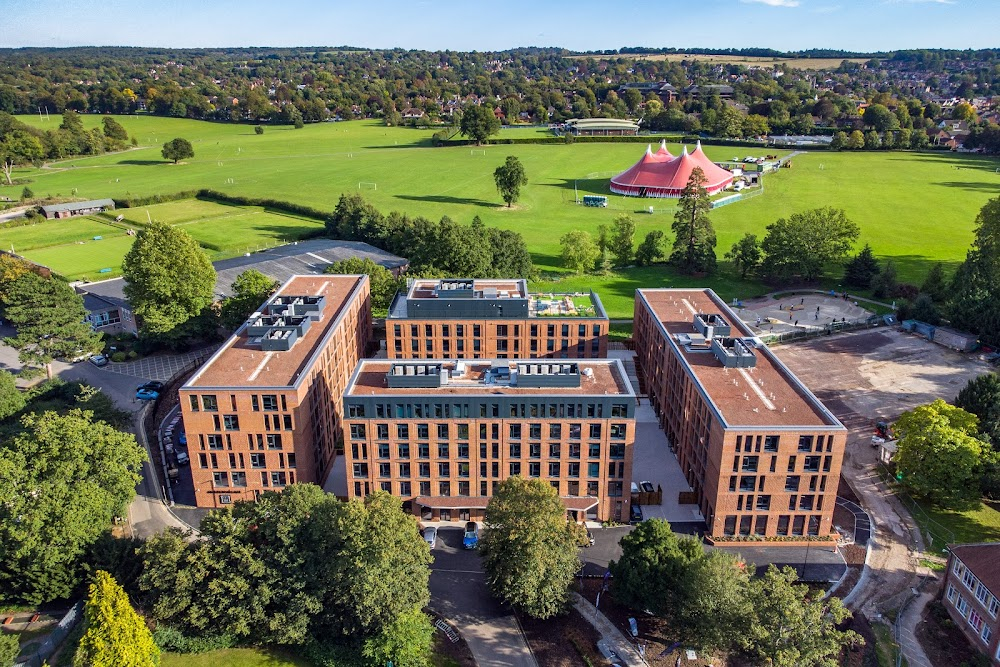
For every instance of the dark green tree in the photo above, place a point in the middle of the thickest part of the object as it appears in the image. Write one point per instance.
(511, 258)
(694, 236)
(878, 117)
(509, 178)
(177, 149)
(11, 398)
(622, 239)
(745, 255)
(113, 129)
(479, 123)
(935, 285)
(250, 290)
(981, 397)
(803, 244)
(529, 549)
(651, 249)
(653, 564)
(924, 310)
(258, 129)
(790, 627)
(861, 269)
(975, 287)
(383, 284)
(168, 278)
(839, 141)
(83, 473)
(884, 284)
(18, 148)
(49, 318)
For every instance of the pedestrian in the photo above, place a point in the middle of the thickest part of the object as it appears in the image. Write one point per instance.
(817, 314)
(780, 307)
(817, 309)
(789, 316)
(802, 301)
(796, 323)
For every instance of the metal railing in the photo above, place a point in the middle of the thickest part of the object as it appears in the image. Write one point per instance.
(53, 640)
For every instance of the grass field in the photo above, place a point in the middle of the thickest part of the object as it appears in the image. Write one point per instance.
(916, 208)
(980, 523)
(233, 657)
(749, 61)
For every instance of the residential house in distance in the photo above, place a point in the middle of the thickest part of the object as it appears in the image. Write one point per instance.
(265, 410)
(68, 210)
(761, 452)
(972, 594)
(442, 434)
(493, 319)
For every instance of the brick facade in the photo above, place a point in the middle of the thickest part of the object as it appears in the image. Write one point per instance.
(972, 595)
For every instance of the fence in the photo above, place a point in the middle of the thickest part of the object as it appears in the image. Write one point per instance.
(804, 334)
(54, 638)
(936, 535)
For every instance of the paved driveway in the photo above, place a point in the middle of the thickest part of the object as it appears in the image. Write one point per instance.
(459, 594)
(160, 366)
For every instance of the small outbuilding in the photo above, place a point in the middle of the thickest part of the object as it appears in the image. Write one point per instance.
(70, 209)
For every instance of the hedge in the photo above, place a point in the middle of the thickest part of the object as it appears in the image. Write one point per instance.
(133, 202)
(276, 204)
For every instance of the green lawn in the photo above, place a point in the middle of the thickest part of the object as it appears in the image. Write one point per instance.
(233, 657)
(916, 208)
(978, 524)
(85, 259)
(54, 232)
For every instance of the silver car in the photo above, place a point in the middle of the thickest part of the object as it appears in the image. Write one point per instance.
(430, 536)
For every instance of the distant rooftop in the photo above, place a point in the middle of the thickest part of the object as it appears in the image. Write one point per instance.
(485, 377)
(79, 205)
(736, 372)
(279, 341)
(456, 298)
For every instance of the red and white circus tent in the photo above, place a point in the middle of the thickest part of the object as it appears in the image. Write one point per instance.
(662, 175)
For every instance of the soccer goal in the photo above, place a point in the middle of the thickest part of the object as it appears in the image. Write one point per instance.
(477, 151)
(363, 185)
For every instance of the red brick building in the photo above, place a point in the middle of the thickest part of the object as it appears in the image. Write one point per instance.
(441, 434)
(493, 319)
(972, 594)
(265, 410)
(761, 452)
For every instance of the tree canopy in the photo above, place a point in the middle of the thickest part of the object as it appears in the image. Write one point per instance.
(82, 474)
(694, 236)
(529, 547)
(168, 279)
(861, 269)
(651, 248)
(622, 239)
(579, 252)
(745, 255)
(177, 149)
(981, 397)
(383, 284)
(975, 287)
(11, 398)
(510, 177)
(250, 290)
(50, 320)
(803, 244)
(479, 123)
(113, 633)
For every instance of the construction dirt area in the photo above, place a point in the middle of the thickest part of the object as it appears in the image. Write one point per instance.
(865, 377)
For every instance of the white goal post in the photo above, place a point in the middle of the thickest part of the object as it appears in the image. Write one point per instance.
(477, 151)
(364, 185)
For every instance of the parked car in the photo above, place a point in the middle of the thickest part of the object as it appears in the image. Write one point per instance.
(143, 394)
(590, 539)
(152, 385)
(98, 360)
(182, 439)
(647, 486)
(471, 538)
(635, 514)
(430, 536)
(183, 458)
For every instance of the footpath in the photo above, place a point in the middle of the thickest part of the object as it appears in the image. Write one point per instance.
(611, 636)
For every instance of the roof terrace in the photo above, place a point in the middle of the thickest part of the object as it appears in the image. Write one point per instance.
(476, 298)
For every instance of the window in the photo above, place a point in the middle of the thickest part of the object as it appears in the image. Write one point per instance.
(444, 489)
(360, 469)
(535, 431)
(811, 463)
(595, 431)
(424, 469)
(574, 469)
(463, 469)
(209, 403)
(553, 469)
(962, 605)
(593, 470)
(994, 606)
(423, 431)
(554, 450)
(748, 483)
(806, 503)
(969, 580)
(220, 479)
(194, 402)
(951, 592)
(750, 463)
(278, 479)
(729, 528)
(534, 470)
(385, 470)
(958, 568)
(269, 401)
(982, 594)
(442, 431)
(239, 478)
(763, 503)
(258, 461)
(805, 443)
(976, 621)
(214, 441)
(574, 431)
(594, 450)
(357, 431)
(515, 450)
(555, 431)
(442, 450)
(771, 443)
(792, 483)
(355, 410)
(274, 441)
(444, 470)
(616, 451)
(515, 469)
(515, 431)
(404, 469)
(615, 489)
(782, 525)
(463, 488)
(402, 431)
(618, 430)
(986, 634)
(574, 450)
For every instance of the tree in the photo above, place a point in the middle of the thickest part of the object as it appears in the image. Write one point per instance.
(939, 454)
(509, 178)
(924, 310)
(651, 249)
(11, 398)
(258, 129)
(479, 123)
(964, 111)
(27, 194)
(856, 140)
(50, 321)
(113, 129)
(622, 238)
(935, 286)
(177, 149)
(884, 284)
(382, 283)
(10, 647)
(113, 633)
(788, 628)
(406, 641)
(861, 269)
(250, 290)
(653, 564)
(18, 148)
(714, 600)
(11, 268)
(82, 473)
(578, 251)
(168, 278)
(981, 397)
(529, 549)
(975, 287)
(872, 141)
(755, 125)
(694, 237)
(745, 255)
(839, 141)
(805, 243)
(878, 117)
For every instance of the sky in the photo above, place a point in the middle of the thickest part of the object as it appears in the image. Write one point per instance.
(466, 25)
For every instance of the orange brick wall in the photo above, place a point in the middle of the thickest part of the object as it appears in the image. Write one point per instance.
(524, 339)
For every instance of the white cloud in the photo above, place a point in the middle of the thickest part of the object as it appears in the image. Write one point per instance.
(774, 3)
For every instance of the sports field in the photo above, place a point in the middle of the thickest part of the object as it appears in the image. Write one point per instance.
(917, 208)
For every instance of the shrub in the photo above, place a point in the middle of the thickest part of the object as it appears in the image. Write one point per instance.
(118, 356)
(258, 129)
(905, 291)
(132, 355)
(171, 639)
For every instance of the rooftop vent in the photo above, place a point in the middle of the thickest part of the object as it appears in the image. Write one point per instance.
(711, 326)
(283, 320)
(454, 289)
(415, 376)
(548, 375)
(734, 352)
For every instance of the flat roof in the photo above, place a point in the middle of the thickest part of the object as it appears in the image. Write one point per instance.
(540, 304)
(240, 363)
(605, 377)
(767, 395)
(515, 288)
